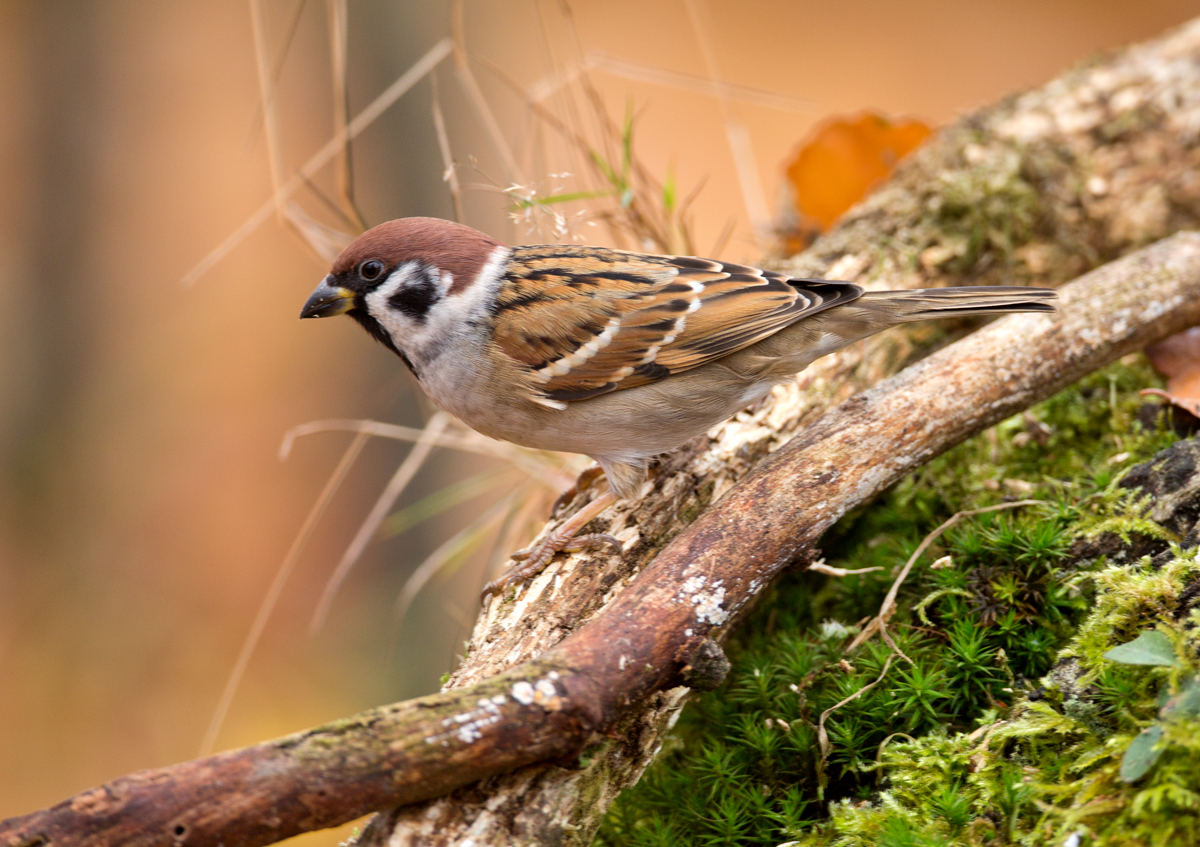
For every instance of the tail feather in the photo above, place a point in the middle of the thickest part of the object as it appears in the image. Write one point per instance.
(925, 303)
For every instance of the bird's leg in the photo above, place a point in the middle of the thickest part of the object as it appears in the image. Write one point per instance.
(534, 560)
(582, 482)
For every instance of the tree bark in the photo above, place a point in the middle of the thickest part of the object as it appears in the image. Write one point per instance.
(595, 652)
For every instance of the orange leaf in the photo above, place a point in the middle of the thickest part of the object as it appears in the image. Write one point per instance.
(844, 159)
(1178, 359)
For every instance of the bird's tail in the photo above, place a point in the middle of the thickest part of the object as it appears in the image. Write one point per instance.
(792, 350)
(923, 304)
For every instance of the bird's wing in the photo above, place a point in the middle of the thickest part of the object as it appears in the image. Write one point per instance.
(585, 321)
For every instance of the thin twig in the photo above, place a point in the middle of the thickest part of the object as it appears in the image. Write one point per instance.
(879, 622)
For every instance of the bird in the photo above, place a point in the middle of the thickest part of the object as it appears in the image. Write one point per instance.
(617, 355)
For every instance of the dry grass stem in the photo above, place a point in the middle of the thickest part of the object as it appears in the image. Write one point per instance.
(339, 36)
(399, 481)
(466, 78)
(269, 113)
(460, 544)
(277, 71)
(740, 145)
(888, 608)
(638, 72)
(323, 156)
(555, 469)
(450, 173)
(272, 596)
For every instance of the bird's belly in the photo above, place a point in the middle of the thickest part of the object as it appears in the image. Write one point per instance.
(623, 426)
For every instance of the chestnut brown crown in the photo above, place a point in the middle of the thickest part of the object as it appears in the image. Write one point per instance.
(450, 247)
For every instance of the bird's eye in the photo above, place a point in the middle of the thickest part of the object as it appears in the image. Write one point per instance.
(371, 270)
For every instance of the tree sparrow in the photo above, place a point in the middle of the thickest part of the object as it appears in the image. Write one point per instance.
(617, 355)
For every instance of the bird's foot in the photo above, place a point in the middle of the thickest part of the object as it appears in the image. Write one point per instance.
(564, 539)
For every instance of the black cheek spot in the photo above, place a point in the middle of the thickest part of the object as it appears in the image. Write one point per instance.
(417, 297)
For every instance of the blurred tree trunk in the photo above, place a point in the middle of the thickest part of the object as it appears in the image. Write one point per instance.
(49, 340)
(1036, 189)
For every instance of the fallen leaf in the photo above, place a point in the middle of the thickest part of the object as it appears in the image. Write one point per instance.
(1178, 359)
(1142, 753)
(1149, 648)
(843, 160)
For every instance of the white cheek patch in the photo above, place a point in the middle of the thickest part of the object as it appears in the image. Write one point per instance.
(425, 339)
(472, 303)
(478, 296)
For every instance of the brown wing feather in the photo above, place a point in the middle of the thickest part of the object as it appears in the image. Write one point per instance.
(586, 321)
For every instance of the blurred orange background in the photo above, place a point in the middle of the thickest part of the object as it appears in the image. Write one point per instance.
(143, 509)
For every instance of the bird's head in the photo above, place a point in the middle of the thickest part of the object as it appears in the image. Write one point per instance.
(403, 278)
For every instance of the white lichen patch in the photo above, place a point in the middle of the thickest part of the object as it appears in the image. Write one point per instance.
(1157, 308)
(1120, 324)
(707, 598)
(467, 726)
(523, 693)
(542, 692)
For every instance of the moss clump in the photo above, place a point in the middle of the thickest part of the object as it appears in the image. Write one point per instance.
(963, 745)
(987, 208)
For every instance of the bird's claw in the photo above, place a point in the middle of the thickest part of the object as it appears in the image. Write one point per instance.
(535, 559)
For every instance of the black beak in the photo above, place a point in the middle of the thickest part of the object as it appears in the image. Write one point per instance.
(328, 300)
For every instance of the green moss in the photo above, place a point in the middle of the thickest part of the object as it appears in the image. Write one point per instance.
(987, 208)
(983, 738)
(698, 503)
